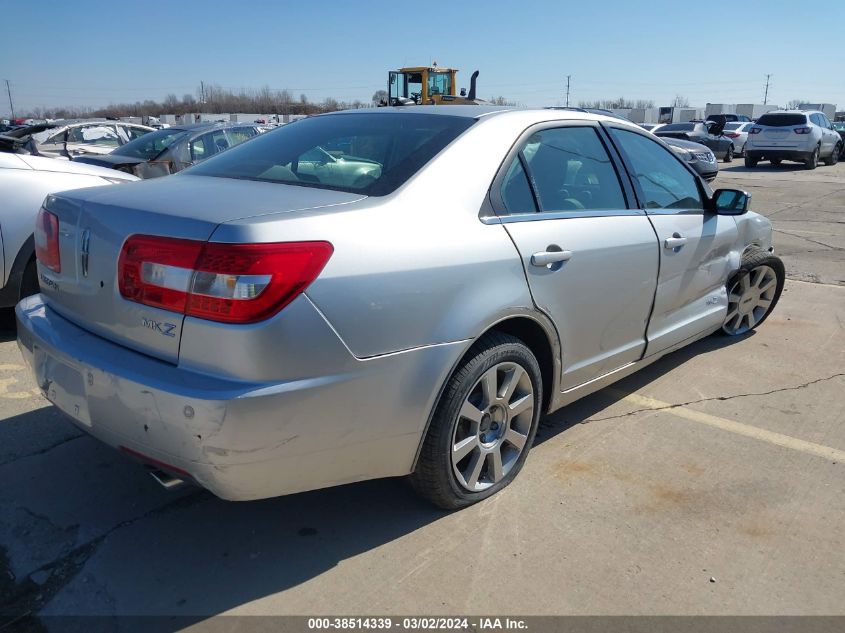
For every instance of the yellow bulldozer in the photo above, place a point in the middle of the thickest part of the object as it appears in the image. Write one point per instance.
(432, 85)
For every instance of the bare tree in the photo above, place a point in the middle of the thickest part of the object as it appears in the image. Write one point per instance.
(795, 104)
(379, 96)
(501, 101)
(680, 101)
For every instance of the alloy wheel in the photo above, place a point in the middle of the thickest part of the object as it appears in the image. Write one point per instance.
(493, 425)
(750, 299)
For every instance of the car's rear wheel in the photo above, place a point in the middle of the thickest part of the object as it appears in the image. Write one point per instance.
(813, 161)
(483, 426)
(729, 156)
(750, 162)
(834, 156)
(753, 292)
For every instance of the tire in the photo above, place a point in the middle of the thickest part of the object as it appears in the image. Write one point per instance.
(753, 292)
(496, 364)
(729, 156)
(29, 281)
(813, 161)
(834, 156)
(775, 161)
(742, 151)
(750, 162)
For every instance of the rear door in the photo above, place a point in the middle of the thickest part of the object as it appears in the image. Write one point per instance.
(695, 245)
(590, 260)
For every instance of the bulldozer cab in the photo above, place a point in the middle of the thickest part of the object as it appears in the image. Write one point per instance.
(421, 85)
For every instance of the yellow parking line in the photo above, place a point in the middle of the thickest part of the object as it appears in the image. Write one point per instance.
(778, 439)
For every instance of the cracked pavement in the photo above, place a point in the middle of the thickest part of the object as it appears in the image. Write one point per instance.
(620, 509)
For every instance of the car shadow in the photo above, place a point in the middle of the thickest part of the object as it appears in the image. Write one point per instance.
(8, 327)
(581, 411)
(184, 557)
(763, 167)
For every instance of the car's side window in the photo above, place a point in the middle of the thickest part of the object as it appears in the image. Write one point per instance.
(572, 171)
(516, 191)
(208, 145)
(664, 181)
(814, 118)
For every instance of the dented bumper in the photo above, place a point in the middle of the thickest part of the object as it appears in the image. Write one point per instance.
(240, 440)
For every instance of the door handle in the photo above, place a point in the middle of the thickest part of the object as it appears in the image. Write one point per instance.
(544, 258)
(676, 241)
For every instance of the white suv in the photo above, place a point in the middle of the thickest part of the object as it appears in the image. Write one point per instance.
(800, 135)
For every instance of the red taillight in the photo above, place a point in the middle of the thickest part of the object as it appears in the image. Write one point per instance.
(802, 130)
(233, 283)
(755, 130)
(732, 134)
(47, 240)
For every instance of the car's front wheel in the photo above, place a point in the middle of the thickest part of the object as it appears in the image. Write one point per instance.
(729, 156)
(753, 292)
(742, 151)
(483, 426)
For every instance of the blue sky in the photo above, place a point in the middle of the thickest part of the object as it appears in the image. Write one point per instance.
(91, 53)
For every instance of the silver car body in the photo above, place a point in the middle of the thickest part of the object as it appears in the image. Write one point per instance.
(24, 183)
(339, 386)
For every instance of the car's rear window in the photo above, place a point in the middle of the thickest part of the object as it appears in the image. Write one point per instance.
(733, 126)
(368, 153)
(782, 120)
(678, 127)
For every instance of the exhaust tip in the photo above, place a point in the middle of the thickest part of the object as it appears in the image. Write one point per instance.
(166, 480)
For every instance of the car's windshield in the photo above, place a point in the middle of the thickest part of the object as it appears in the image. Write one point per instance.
(150, 145)
(678, 127)
(372, 153)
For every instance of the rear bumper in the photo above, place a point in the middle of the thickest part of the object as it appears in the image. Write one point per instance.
(240, 440)
(782, 154)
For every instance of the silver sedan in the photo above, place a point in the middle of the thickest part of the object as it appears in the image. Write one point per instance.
(261, 327)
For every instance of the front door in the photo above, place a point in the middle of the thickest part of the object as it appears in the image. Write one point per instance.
(695, 245)
(591, 262)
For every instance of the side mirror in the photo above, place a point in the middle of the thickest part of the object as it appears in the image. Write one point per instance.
(730, 201)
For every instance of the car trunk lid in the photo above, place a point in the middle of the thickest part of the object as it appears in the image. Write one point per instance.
(94, 224)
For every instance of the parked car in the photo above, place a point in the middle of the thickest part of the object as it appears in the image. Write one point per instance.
(839, 127)
(703, 133)
(650, 127)
(24, 183)
(171, 149)
(698, 156)
(728, 118)
(86, 137)
(738, 133)
(803, 136)
(260, 333)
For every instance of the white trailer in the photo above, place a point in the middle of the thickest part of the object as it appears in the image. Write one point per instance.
(754, 110)
(719, 108)
(828, 108)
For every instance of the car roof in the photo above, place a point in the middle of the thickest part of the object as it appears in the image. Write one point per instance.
(486, 111)
(469, 111)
